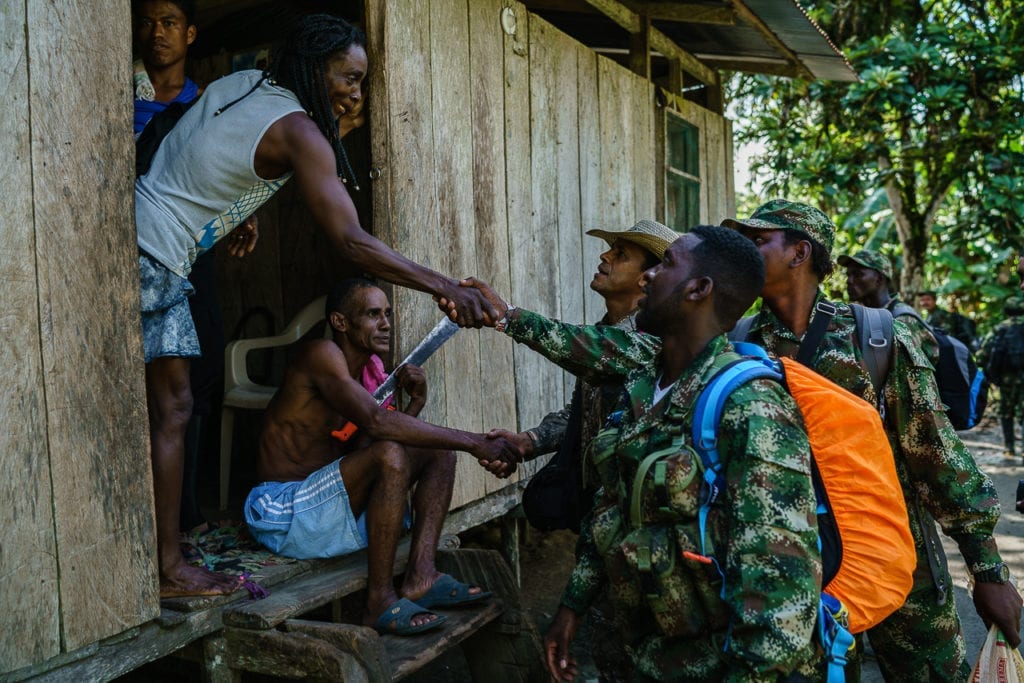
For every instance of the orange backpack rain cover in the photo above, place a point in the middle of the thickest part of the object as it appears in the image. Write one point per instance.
(853, 456)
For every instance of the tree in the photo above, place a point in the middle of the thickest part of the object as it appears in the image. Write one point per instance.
(928, 143)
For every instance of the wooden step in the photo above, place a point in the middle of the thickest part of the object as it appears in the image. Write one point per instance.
(323, 650)
(322, 584)
(410, 653)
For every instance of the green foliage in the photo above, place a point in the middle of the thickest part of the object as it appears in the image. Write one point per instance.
(923, 156)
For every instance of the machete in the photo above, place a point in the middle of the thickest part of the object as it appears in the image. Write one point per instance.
(442, 332)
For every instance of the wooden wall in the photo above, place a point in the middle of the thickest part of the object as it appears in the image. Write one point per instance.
(498, 152)
(77, 552)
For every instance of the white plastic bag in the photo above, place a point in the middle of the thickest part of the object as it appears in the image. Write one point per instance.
(998, 662)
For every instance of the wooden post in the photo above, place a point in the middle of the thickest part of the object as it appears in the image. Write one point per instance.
(640, 49)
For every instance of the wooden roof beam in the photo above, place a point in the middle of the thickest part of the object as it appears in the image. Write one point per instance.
(689, 14)
(744, 13)
(634, 23)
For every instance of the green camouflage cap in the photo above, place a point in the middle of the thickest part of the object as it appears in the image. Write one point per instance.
(1014, 303)
(869, 259)
(782, 214)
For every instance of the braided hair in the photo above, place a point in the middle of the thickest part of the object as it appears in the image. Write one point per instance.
(300, 64)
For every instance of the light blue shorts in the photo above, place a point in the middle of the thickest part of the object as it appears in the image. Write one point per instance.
(306, 519)
(167, 327)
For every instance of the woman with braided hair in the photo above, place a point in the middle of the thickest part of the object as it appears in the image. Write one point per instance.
(233, 149)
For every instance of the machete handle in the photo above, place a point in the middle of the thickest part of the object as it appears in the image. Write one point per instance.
(346, 432)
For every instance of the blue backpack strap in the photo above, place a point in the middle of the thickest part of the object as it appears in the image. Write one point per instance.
(707, 415)
(834, 636)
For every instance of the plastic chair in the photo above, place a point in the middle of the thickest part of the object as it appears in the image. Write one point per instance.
(239, 389)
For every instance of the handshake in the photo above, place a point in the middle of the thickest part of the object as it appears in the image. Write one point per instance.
(500, 451)
(473, 304)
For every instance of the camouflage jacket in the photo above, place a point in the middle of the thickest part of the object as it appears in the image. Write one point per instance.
(762, 530)
(934, 466)
(918, 328)
(597, 401)
(985, 352)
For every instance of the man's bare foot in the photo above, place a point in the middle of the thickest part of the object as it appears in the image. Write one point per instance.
(189, 581)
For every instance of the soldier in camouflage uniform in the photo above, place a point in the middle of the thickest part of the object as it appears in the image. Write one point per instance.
(1011, 385)
(923, 640)
(868, 279)
(617, 280)
(764, 532)
(953, 324)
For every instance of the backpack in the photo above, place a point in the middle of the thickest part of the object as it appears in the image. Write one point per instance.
(1006, 357)
(868, 554)
(154, 133)
(553, 498)
(962, 385)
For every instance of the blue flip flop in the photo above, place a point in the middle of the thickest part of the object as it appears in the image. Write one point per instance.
(448, 591)
(396, 620)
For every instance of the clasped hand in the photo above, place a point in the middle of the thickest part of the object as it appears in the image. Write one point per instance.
(472, 304)
(498, 455)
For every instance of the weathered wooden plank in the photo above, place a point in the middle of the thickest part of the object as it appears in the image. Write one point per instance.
(487, 90)
(29, 607)
(567, 172)
(412, 225)
(453, 177)
(519, 204)
(730, 177)
(714, 151)
(408, 655)
(289, 655)
(592, 198)
(88, 288)
(117, 656)
(643, 151)
(362, 642)
(486, 63)
(534, 245)
(617, 137)
(330, 581)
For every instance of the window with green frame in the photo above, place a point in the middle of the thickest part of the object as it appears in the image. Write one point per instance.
(682, 173)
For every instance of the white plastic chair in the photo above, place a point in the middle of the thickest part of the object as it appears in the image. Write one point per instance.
(239, 389)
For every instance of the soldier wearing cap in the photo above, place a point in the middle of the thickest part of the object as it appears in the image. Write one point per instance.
(1009, 380)
(923, 640)
(571, 430)
(868, 282)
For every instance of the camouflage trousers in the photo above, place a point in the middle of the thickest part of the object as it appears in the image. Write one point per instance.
(608, 648)
(1011, 409)
(922, 641)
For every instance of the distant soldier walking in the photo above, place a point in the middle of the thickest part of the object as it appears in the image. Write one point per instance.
(1002, 357)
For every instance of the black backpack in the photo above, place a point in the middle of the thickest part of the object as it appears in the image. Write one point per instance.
(554, 497)
(1006, 357)
(962, 388)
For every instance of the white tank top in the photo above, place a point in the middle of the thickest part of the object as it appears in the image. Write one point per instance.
(202, 183)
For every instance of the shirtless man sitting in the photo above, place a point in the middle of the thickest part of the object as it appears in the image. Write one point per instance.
(315, 487)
